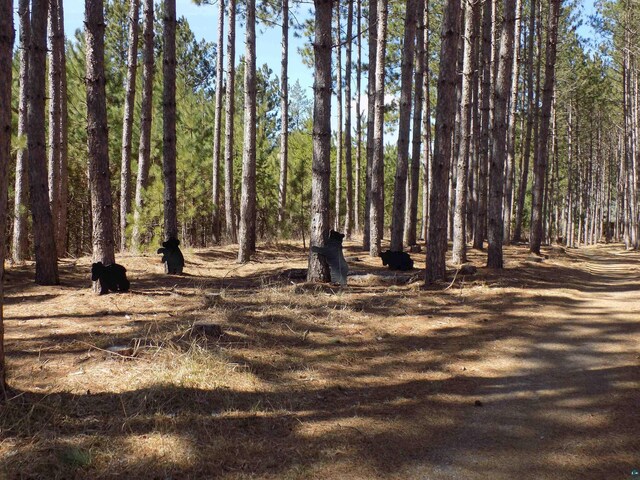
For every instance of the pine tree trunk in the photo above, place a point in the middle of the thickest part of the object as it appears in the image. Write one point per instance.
(56, 43)
(284, 107)
(127, 122)
(230, 221)
(445, 120)
(499, 144)
(371, 102)
(426, 127)
(376, 210)
(97, 136)
(411, 219)
(63, 176)
(6, 57)
(357, 194)
(318, 270)
(217, 127)
(404, 128)
(144, 148)
(169, 120)
(511, 129)
(44, 241)
(543, 137)
(480, 230)
(339, 141)
(247, 237)
(20, 234)
(531, 113)
(460, 214)
(348, 219)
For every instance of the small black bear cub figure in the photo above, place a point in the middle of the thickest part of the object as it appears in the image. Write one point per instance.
(332, 251)
(112, 277)
(397, 260)
(172, 256)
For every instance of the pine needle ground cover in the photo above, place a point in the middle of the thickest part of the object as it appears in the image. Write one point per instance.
(244, 371)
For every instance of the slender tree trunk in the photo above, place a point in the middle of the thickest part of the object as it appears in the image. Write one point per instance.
(442, 151)
(339, 142)
(410, 227)
(543, 137)
(284, 107)
(348, 166)
(480, 230)
(6, 57)
(404, 128)
(217, 127)
(44, 241)
(356, 203)
(426, 126)
(318, 270)
(20, 234)
(496, 170)
(460, 214)
(144, 148)
(98, 137)
(376, 212)
(247, 238)
(63, 176)
(127, 122)
(511, 129)
(371, 102)
(531, 113)
(169, 119)
(230, 221)
(56, 43)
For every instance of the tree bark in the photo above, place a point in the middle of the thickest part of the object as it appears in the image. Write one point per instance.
(499, 145)
(426, 126)
(6, 57)
(20, 234)
(460, 213)
(356, 203)
(45, 245)
(480, 230)
(411, 221)
(284, 107)
(318, 270)
(230, 221)
(376, 210)
(98, 137)
(371, 85)
(339, 142)
(217, 127)
(404, 128)
(445, 119)
(543, 136)
(144, 148)
(247, 237)
(127, 122)
(348, 165)
(62, 239)
(511, 129)
(169, 120)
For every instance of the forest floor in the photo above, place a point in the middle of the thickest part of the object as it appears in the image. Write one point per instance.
(528, 373)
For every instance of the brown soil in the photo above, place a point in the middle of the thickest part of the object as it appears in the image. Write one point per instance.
(528, 373)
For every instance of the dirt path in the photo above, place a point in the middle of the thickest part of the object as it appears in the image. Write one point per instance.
(561, 397)
(380, 380)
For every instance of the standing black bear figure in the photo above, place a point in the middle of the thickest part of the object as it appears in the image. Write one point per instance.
(112, 277)
(172, 256)
(332, 251)
(397, 260)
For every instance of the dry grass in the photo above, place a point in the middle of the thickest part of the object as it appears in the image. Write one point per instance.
(376, 380)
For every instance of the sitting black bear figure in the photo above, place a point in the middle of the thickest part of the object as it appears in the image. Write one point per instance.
(112, 277)
(332, 251)
(172, 256)
(397, 260)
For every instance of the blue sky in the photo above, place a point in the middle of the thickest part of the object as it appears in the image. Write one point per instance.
(203, 22)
